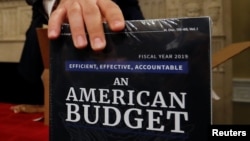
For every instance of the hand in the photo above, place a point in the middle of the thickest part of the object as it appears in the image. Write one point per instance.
(86, 13)
(26, 108)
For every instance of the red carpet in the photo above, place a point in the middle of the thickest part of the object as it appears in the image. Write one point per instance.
(21, 127)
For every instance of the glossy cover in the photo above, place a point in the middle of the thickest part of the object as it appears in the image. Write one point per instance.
(151, 83)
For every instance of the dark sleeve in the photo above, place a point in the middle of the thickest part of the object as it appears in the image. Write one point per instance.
(131, 9)
(31, 2)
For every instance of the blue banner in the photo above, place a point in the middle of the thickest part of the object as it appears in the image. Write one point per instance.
(128, 66)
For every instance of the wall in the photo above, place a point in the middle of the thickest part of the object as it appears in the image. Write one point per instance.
(15, 17)
(241, 64)
(241, 32)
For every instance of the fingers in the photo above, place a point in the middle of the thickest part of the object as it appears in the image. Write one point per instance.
(15, 109)
(55, 21)
(76, 22)
(112, 14)
(93, 21)
(24, 108)
(86, 14)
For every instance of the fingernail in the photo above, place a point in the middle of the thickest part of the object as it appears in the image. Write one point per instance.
(80, 41)
(118, 24)
(52, 33)
(98, 43)
(15, 111)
